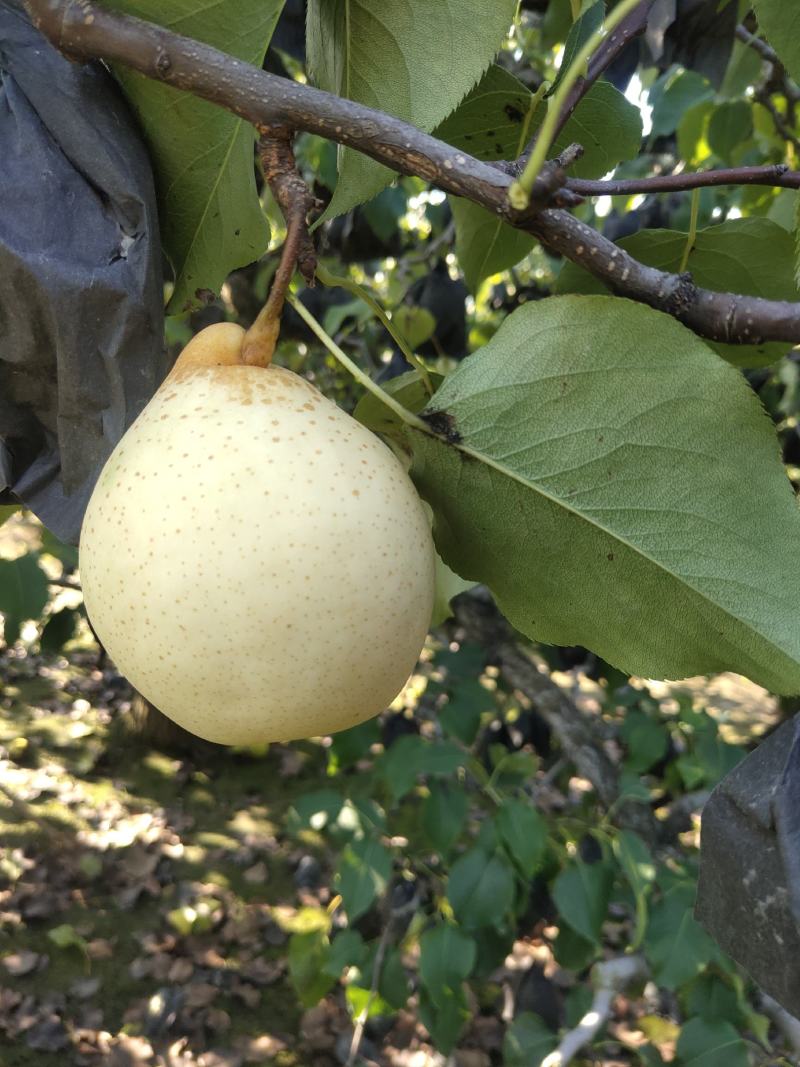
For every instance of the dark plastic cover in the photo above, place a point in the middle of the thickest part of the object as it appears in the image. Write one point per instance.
(749, 890)
(81, 295)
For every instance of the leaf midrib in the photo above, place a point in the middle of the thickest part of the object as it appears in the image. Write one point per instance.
(559, 502)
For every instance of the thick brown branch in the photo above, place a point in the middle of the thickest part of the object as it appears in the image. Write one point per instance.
(88, 31)
(776, 175)
(717, 316)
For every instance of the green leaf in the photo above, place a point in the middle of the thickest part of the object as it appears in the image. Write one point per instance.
(409, 389)
(730, 124)
(416, 325)
(581, 893)
(676, 945)
(481, 889)
(448, 585)
(461, 715)
(580, 31)
(780, 22)
(7, 510)
(710, 998)
(710, 1044)
(52, 546)
(317, 810)
(485, 245)
(59, 628)
(346, 950)
(443, 814)
(446, 1019)
(750, 256)
(572, 951)
(211, 220)
(524, 833)
(639, 869)
(618, 486)
(363, 870)
(412, 58)
(349, 746)
(672, 96)
(495, 120)
(447, 956)
(527, 1041)
(308, 956)
(645, 738)
(23, 593)
(411, 756)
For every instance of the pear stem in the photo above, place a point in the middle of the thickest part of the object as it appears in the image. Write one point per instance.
(295, 201)
(407, 416)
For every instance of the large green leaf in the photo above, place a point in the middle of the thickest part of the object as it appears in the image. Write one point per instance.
(780, 22)
(496, 121)
(211, 221)
(618, 486)
(753, 256)
(412, 58)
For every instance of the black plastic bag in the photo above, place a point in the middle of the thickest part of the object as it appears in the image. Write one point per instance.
(749, 891)
(81, 294)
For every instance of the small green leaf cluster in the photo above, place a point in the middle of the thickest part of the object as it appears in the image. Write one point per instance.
(456, 846)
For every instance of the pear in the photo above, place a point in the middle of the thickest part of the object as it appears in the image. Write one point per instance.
(256, 562)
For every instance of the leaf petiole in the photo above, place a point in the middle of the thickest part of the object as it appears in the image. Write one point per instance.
(359, 375)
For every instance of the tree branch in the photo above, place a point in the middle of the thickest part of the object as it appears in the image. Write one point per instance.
(777, 175)
(86, 30)
(609, 978)
(476, 612)
(769, 54)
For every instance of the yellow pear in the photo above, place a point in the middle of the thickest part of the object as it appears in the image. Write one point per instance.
(257, 563)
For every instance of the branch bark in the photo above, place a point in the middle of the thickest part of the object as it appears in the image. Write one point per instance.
(85, 30)
(476, 612)
(778, 175)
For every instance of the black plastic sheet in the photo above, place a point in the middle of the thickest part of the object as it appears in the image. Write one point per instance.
(749, 890)
(81, 295)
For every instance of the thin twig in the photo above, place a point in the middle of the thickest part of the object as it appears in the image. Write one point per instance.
(779, 121)
(777, 175)
(363, 1015)
(771, 56)
(631, 27)
(786, 1023)
(295, 201)
(609, 978)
